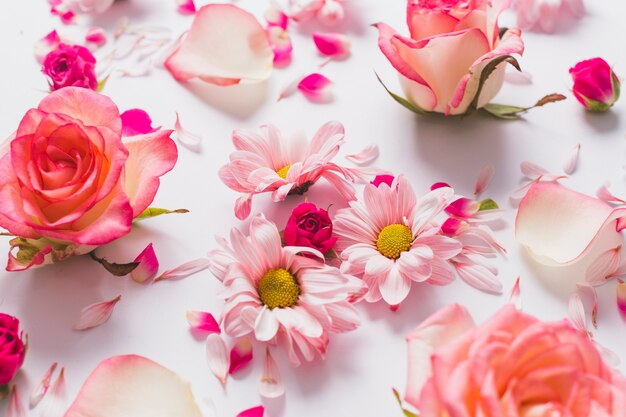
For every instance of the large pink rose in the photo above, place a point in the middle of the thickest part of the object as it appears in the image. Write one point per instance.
(69, 181)
(452, 43)
(512, 365)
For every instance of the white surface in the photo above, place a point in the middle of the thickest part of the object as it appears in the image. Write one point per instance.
(362, 366)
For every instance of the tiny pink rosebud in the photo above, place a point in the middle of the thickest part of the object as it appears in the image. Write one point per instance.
(595, 84)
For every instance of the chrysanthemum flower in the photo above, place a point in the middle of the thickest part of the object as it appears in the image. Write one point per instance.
(391, 239)
(280, 296)
(267, 162)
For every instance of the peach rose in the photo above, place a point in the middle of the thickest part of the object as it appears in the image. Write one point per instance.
(512, 365)
(69, 183)
(455, 59)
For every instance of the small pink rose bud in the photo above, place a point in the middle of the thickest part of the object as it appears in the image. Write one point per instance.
(70, 65)
(595, 84)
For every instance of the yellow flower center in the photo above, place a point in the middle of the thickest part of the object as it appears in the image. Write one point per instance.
(283, 171)
(393, 240)
(278, 289)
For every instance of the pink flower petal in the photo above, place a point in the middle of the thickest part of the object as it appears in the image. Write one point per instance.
(621, 296)
(186, 138)
(290, 88)
(590, 293)
(148, 265)
(133, 386)
(515, 295)
(334, 45)
(186, 7)
(276, 17)
(240, 355)
(67, 16)
(258, 411)
(271, 383)
(572, 160)
(576, 312)
(96, 36)
(217, 356)
(184, 270)
(316, 87)
(224, 46)
(485, 175)
(54, 403)
(136, 122)
(199, 320)
(604, 194)
(280, 42)
(16, 406)
(243, 206)
(42, 388)
(532, 171)
(366, 156)
(604, 267)
(96, 314)
(46, 44)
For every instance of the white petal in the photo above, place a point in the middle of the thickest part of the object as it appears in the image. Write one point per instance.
(515, 295)
(16, 406)
(271, 383)
(217, 356)
(572, 160)
(54, 403)
(42, 388)
(266, 325)
(366, 156)
(604, 267)
(186, 138)
(96, 314)
(576, 312)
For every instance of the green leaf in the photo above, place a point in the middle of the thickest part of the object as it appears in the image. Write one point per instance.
(401, 100)
(504, 111)
(102, 83)
(119, 270)
(488, 204)
(154, 212)
(4, 391)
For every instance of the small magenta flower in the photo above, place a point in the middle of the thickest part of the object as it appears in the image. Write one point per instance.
(595, 84)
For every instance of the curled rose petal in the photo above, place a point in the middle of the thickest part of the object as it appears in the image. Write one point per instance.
(42, 388)
(334, 45)
(184, 270)
(186, 7)
(604, 267)
(96, 314)
(46, 44)
(271, 384)
(258, 411)
(366, 156)
(240, 355)
(559, 226)
(16, 406)
(576, 312)
(148, 265)
(199, 320)
(572, 160)
(485, 175)
(621, 296)
(515, 295)
(186, 138)
(276, 17)
(217, 356)
(224, 46)
(280, 41)
(604, 194)
(590, 292)
(136, 122)
(54, 403)
(316, 87)
(96, 36)
(130, 385)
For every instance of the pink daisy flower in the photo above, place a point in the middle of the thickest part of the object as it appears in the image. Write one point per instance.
(391, 239)
(268, 163)
(278, 296)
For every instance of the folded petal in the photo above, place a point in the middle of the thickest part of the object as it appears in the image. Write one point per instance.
(42, 388)
(148, 265)
(240, 355)
(184, 270)
(200, 320)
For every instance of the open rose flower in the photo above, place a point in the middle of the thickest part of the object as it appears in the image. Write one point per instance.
(596, 86)
(279, 296)
(454, 45)
(269, 163)
(70, 181)
(512, 365)
(12, 348)
(310, 227)
(70, 65)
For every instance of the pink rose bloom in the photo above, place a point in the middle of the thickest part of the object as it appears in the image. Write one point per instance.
(512, 365)
(595, 84)
(12, 348)
(310, 227)
(544, 15)
(452, 43)
(70, 181)
(70, 65)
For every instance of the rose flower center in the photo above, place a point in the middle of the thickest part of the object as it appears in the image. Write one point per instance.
(393, 240)
(283, 171)
(278, 289)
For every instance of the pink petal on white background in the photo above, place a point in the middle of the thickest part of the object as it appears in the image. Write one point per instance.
(366, 156)
(224, 46)
(46, 44)
(485, 175)
(275, 16)
(271, 384)
(515, 295)
(621, 295)
(258, 411)
(290, 88)
(532, 171)
(604, 194)
(590, 293)
(136, 122)
(133, 386)
(54, 403)
(184, 270)
(336, 45)
(96, 36)
(280, 41)
(217, 356)
(96, 314)
(148, 265)
(240, 355)
(186, 138)
(604, 267)
(186, 7)
(42, 388)
(202, 321)
(317, 88)
(16, 405)
(572, 160)
(243, 205)
(576, 312)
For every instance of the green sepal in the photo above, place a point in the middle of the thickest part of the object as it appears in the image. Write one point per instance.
(503, 111)
(102, 83)
(154, 212)
(487, 204)
(404, 102)
(406, 412)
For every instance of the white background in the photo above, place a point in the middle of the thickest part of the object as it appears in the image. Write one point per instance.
(362, 366)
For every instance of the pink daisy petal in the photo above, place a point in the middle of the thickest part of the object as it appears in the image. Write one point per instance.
(515, 295)
(316, 87)
(54, 403)
(258, 411)
(148, 265)
(96, 36)
(188, 139)
(16, 406)
(96, 314)
(42, 388)
(366, 156)
(572, 160)
(485, 175)
(240, 355)
(202, 321)
(217, 357)
(604, 194)
(576, 312)
(604, 267)
(184, 270)
(334, 45)
(590, 293)
(271, 384)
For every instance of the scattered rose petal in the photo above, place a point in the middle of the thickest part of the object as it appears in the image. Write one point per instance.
(621, 296)
(199, 320)
(334, 45)
(46, 44)
(576, 312)
(276, 17)
(136, 122)
(258, 411)
(485, 175)
(96, 36)
(53, 404)
(67, 16)
(42, 388)
(133, 386)
(271, 384)
(16, 406)
(186, 7)
(280, 41)
(572, 160)
(316, 87)
(591, 293)
(604, 267)
(217, 356)
(148, 265)
(184, 270)
(224, 46)
(240, 355)
(331, 13)
(96, 314)
(290, 88)
(366, 156)
(515, 295)
(604, 194)
(186, 138)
